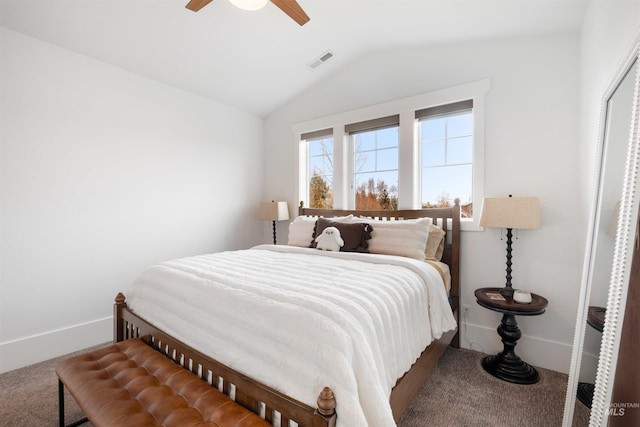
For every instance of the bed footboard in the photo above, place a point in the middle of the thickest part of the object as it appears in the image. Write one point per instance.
(280, 410)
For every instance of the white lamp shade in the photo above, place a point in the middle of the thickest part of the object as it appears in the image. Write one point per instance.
(274, 211)
(510, 212)
(249, 4)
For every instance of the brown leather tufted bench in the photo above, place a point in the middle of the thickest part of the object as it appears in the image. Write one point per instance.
(131, 384)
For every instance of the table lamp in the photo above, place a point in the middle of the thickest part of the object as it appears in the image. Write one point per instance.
(510, 212)
(274, 211)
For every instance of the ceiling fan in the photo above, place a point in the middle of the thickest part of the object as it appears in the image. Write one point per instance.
(290, 7)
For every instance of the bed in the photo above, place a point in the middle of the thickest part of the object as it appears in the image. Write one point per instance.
(348, 365)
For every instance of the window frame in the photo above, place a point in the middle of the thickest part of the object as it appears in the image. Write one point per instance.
(443, 112)
(409, 165)
(351, 132)
(305, 154)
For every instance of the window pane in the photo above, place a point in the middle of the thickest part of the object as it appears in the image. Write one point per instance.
(460, 125)
(320, 173)
(316, 165)
(320, 192)
(387, 137)
(446, 184)
(433, 153)
(379, 178)
(365, 161)
(460, 150)
(320, 165)
(365, 141)
(432, 129)
(319, 147)
(377, 190)
(387, 159)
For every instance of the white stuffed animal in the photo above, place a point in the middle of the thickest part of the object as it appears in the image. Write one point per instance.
(329, 240)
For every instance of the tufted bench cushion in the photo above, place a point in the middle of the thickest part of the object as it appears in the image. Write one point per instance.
(131, 384)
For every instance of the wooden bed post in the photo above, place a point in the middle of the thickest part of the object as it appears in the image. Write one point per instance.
(325, 414)
(118, 327)
(454, 269)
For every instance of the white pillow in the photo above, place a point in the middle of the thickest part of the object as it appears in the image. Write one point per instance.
(301, 229)
(406, 238)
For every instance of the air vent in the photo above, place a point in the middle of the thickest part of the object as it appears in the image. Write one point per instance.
(320, 60)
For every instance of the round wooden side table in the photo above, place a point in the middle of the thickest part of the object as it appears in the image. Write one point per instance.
(506, 365)
(595, 319)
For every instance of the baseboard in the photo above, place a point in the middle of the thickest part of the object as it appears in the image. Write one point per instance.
(38, 348)
(536, 351)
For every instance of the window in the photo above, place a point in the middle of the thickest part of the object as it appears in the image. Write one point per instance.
(374, 148)
(319, 170)
(421, 151)
(446, 147)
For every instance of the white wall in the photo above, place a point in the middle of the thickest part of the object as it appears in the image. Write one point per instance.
(531, 146)
(103, 173)
(607, 33)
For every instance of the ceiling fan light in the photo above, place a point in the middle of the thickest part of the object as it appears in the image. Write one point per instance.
(249, 4)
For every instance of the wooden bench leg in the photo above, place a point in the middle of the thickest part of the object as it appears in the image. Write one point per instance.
(61, 409)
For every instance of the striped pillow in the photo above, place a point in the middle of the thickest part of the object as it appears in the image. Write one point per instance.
(406, 238)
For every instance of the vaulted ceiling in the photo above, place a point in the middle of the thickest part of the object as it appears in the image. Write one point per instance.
(258, 60)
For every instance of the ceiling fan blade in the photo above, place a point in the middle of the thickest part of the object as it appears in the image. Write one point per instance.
(293, 9)
(196, 5)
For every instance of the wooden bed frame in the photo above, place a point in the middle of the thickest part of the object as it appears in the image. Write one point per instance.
(274, 406)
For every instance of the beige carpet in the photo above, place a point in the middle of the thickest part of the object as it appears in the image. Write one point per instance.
(458, 393)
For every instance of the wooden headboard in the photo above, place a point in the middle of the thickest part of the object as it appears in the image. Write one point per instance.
(446, 218)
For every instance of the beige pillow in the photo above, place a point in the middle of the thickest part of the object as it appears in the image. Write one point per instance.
(406, 238)
(435, 243)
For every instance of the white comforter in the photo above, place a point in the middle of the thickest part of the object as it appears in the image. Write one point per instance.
(299, 319)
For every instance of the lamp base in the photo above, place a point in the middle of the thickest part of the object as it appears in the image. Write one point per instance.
(274, 233)
(507, 291)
